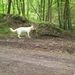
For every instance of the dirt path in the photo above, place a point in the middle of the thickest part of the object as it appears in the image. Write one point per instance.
(36, 57)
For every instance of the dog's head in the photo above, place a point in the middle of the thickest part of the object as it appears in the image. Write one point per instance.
(33, 27)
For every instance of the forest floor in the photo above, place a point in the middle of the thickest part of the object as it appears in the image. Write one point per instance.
(34, 56)
(54, 56)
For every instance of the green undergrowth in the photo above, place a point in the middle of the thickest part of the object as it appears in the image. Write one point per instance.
(43, 29)
(8, 21)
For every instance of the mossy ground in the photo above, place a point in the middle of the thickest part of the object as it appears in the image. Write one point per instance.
(43, 29)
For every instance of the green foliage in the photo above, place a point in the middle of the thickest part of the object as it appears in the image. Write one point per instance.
(4, 31)
(42, 28)
(14, 21)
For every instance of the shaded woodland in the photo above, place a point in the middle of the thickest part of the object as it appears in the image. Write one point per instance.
(59, 12)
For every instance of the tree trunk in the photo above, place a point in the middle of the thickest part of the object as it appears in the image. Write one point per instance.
(17, 2)
(23, 8)
(13, 5)
(9, 6)
(43, 10)
(28, 8)
(67, 16)
(49, 11)
(59, 14)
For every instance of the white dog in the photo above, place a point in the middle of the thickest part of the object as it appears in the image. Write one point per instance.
(23, 29)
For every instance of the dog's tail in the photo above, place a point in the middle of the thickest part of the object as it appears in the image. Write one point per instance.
(13, 30)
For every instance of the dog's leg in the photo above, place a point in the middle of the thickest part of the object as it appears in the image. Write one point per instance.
(19, 34)
(28, 35)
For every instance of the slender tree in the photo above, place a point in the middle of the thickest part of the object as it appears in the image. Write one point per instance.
(35, 10)
(59, 13)
(13, 6)
(17, 3)
(28, 8)
(9, 6)
(23, 8)
(49, 11)
(67, 16)
(43, 10)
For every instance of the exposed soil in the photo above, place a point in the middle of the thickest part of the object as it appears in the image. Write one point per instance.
(50, 45)
(33, 56)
